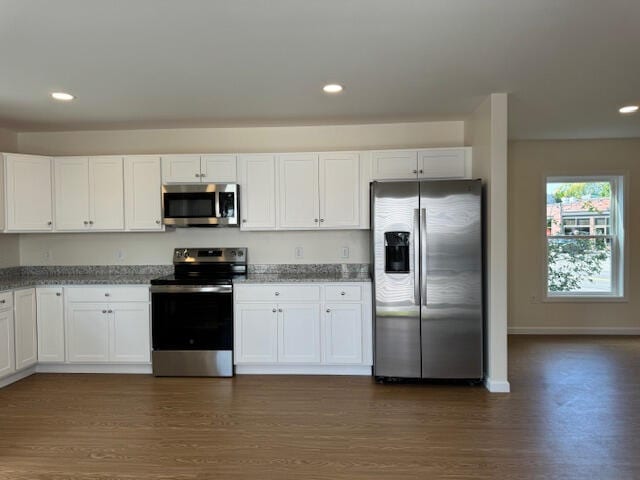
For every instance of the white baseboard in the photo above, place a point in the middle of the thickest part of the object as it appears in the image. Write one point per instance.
(303, 370)
(93, 368)
(574, 330)
(17, 376)
(497, 386)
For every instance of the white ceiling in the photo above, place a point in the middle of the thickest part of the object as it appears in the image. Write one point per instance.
(567, 64)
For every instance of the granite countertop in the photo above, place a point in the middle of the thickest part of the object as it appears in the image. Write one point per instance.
(25, 281)
(310, 273)
(24, 277)
(40, 276)
(304, 277)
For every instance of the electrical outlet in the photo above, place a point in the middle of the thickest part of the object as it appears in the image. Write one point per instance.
(120, 255)
(344, 253)
(533, 299)
(299, 253)
(47, 256)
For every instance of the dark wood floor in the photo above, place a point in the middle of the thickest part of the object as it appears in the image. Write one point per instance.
(574, 413)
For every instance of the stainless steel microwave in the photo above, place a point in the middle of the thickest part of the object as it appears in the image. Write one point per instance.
(203, 205)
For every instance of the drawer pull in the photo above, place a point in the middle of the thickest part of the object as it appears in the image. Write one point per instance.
(343, 293)
(328, 310)
(107, 294)
(58, 294)
(280, 310)
(274, 310)
(104, 311)
(277, 293)
(109, 311)
(3, 301)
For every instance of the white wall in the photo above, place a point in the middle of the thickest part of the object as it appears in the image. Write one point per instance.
(529, 162)
(486, 131)
(249, 140)
(264, 247)
(157, 248)
(8, 141)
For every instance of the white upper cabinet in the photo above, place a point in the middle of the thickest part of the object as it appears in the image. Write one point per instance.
(398, 164)
(25, 328)
(218, 169)
(199, 168)
(28, 193)
(444, 163)
(257, 176)
(142, 193)
(181, 169)
(72, 193)
(89, 193)
(106, 193)
(298, 185)
(339, 190)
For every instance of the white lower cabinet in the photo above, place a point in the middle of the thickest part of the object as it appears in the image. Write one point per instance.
(7, 346)
(299, 333)
(129, 335)
(256, 333)
(107, 332)
(50, 308)
(324, 328)
(87, 332)
(26, 333)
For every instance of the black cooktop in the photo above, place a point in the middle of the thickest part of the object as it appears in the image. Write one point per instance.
(194, 280)
(205, 266)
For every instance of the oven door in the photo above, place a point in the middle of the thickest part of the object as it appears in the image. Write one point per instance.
(192, 318)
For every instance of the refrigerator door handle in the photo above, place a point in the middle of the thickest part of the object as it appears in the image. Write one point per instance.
(416, 256)
(423, 256)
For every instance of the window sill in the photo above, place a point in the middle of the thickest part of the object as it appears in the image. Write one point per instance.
(584, 299)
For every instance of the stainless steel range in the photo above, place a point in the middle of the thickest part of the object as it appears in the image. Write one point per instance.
(192, 313)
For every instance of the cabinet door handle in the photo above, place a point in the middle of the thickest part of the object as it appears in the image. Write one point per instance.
(104, 311)
(343, 293)
(197, 175)
(277, 293)
(58, 294)
(90, 222)
(421, 171)
(107, 294)
(3, 301)
(280, 310)
(274, 310)
(321, 220)
(414, 171)
(158, 222)
(49, 222)
(244, 220)
(328, 310)
(86, 222)
(109, 311)
(315, 220)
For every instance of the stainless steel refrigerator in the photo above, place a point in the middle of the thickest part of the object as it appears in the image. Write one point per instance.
(428, 276)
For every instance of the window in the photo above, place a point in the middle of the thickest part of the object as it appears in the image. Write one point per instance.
(584, 237)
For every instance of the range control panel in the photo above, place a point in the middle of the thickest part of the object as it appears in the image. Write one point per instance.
(210, 255)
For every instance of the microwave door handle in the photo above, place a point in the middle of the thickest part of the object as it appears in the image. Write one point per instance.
(217, 201)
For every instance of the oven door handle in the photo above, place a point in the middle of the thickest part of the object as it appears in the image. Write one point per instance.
(191, 289)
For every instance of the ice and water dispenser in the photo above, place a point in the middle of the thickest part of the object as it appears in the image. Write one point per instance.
(396, 252)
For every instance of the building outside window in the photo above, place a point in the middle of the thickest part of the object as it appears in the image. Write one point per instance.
(584, 237)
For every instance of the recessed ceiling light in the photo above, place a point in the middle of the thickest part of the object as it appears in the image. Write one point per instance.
(65, 97)
(332, 88)
(629, 109)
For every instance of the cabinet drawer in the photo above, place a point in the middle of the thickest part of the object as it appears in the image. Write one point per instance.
(277, 293)
(336, 293)
(107, 293)
(6, 300)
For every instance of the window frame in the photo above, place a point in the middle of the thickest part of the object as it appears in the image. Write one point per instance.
(617, 232)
